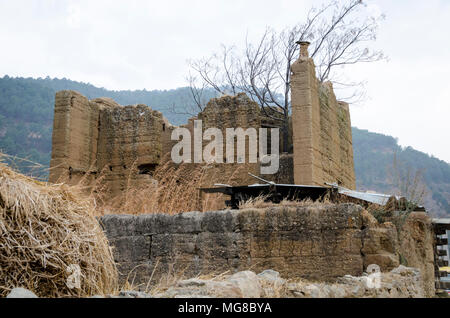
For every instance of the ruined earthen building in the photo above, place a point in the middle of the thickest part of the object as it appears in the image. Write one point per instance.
(126, 144)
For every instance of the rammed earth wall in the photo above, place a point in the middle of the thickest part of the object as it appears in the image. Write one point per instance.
(322, 136)
(99, 137)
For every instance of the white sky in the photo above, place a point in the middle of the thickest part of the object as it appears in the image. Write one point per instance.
(145, 44)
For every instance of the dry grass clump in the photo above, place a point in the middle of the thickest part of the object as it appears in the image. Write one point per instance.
(45, 231)
(258, 202)
(261, 202)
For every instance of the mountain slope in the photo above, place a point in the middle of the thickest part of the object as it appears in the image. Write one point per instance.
(26, 120)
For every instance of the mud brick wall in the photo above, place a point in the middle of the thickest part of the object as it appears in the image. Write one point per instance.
(336, 150)
(75, 136)
(130, 141)
(322, 139)
(232, 112)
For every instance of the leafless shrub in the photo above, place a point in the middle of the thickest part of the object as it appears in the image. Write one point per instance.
(408, 182)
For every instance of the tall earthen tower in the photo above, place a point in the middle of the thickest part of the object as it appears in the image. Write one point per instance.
(322, 137)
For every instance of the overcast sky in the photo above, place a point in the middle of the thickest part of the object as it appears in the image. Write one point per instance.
(145, 44)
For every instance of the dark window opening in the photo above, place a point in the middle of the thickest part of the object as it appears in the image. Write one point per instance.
(148, 168)
(164, 127)
(110, 168)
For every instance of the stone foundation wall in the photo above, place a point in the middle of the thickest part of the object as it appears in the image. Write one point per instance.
(317, 242)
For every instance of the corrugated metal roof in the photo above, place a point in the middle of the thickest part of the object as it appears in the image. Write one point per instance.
(377, 198)
(442, 221)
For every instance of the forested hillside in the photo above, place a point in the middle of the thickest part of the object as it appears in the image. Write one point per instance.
(382, 165)
(26, 119)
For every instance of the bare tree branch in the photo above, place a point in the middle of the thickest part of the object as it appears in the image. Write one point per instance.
(338, 36)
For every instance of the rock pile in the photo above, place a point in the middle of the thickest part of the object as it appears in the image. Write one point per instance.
(401, 282)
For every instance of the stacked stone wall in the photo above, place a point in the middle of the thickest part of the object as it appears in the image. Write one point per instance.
(319, 242)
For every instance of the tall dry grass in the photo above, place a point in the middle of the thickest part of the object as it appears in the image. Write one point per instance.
(260, 202)
(171, 189)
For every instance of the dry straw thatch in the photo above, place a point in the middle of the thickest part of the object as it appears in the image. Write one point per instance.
(44, 231)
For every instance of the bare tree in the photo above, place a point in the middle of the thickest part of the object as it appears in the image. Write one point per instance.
(408, 182)
(338, 34)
